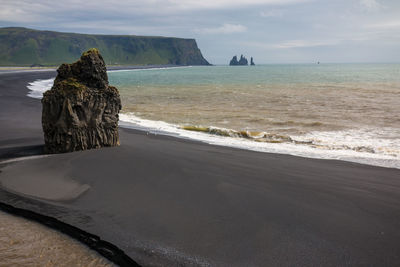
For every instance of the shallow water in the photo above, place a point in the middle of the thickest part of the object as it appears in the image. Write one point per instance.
(26, 243)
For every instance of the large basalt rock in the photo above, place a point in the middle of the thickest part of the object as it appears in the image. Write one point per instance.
(81, 110)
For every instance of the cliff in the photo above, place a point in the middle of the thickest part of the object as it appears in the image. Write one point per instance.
(81, 110)
(27, 47)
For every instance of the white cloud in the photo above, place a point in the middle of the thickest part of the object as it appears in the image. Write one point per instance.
(20, 11)
(305, 43)
(393, 24)
(370, 5)
(28, 10)
(223, 4)
(291, 44)
(224, 29)
(271, 13)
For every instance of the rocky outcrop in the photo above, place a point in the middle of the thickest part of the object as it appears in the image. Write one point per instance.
(242, 61)
(81, 110)
(234, 61)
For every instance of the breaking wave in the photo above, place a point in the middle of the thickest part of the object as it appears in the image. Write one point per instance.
(38, 87)
(350, 145)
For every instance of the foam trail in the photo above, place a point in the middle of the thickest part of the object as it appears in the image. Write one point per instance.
(38, 87)
(157, 68)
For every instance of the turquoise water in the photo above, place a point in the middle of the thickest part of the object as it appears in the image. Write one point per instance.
(270, 74)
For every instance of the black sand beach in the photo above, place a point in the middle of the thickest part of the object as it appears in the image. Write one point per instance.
(168, 201)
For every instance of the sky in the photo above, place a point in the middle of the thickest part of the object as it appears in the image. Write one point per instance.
(271, 31)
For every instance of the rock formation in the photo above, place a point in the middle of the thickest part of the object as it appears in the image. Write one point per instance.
(242, 61)
(81, 110)
(234, 61)
(252, 62)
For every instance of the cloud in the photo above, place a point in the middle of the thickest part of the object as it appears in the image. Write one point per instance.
(21, 11)
(27, 10)
(305, 43)
(271, 13)
(224, 4)
(224, 29)
(292, 44)
(370, 5)
(393, 24)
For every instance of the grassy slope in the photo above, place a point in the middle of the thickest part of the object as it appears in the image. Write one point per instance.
(24, 47)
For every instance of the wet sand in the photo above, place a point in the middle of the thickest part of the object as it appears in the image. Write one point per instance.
(169, 201)
(26, 243)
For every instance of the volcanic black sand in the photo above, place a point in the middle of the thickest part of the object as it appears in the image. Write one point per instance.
(168, 201)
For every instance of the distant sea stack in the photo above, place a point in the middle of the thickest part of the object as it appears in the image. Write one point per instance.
(27, 47)
(241, 62)
(81, 110)
(252, 62)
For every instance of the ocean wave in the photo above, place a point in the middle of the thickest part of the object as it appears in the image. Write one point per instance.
(256, 136)
(296, 123)
(355, 140)
(150, 68)
(38, 87)
(353, 145)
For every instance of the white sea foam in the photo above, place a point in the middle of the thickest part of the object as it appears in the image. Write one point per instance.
(38, 87)
(309, 151)
(158, 68)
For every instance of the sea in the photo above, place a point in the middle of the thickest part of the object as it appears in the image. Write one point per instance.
(345, 112)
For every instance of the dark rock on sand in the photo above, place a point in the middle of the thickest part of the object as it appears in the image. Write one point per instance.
(81, 110)
(242, 61)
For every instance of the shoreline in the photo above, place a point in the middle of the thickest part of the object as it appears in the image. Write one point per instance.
(165, 200)
(23, 69)
(300, 146)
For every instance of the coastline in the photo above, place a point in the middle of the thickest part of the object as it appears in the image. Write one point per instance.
(307, 136)
(15, 69)
(167, 200)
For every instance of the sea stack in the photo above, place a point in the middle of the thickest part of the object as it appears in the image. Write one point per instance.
(242, 61)
(81, 110)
